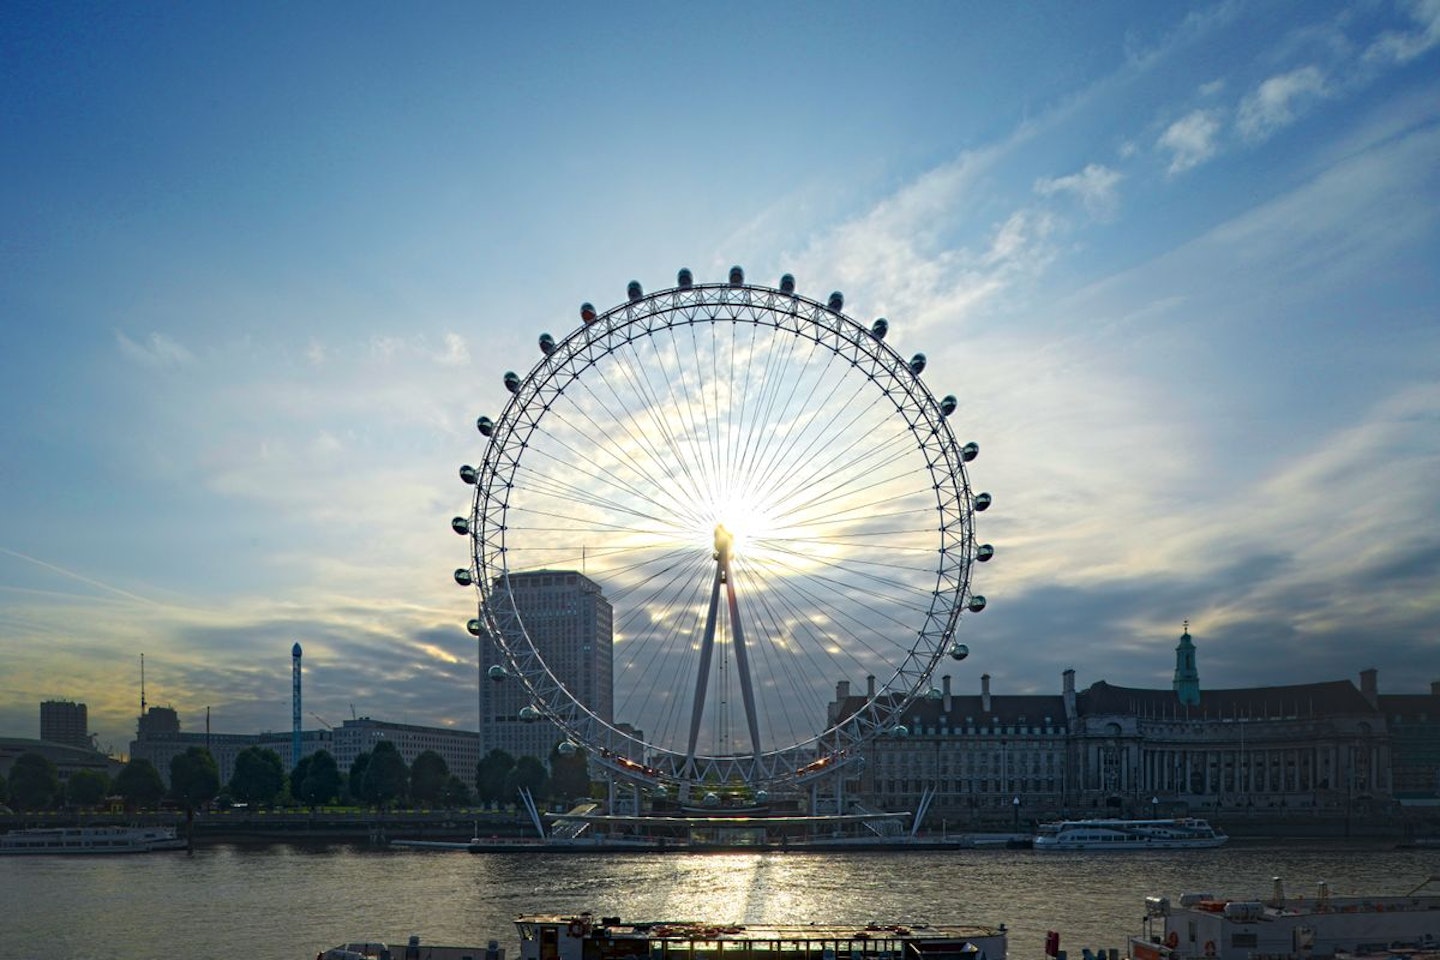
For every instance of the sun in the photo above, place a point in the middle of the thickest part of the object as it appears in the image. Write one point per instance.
(745, 519)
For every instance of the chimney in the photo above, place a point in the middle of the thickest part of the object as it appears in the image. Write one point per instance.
(1069, 693)
(950, 700)
(985, 693)
(1369, 688)
(842, 691)
(870, 687)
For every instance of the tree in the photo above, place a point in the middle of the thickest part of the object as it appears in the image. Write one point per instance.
(428, 776)
(86, 788)
(194, 779)
(139, 783)
(386, 778)
(528, 774)
(569, 773)
(259, 776)
(34, 784)
(456, 793)
(356, 781)
(490, 774)
(321, 782)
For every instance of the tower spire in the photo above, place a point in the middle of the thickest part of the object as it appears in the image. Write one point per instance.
(1187, 675)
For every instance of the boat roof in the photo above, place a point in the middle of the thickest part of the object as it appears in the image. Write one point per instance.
(699, 930)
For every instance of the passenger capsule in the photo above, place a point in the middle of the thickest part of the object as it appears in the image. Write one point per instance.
(737, 276)
(879, 328)
(512, 381)
(684, 279)
(485, 425)
(497, 673)
(984, 552)
(473, 627)
(959, 651)
(977, 603)
(837, 301)
(460, 525)
(969, 452)
(529, 714)
(711, 799)
(634, 291)
(982, 502)
(900, 730)
(917, 364)
(948, 404)
(934, 694)
(547, 344)
(587, 312)
(787, 283)
(469, 474)
(462, 577)
(566, 748)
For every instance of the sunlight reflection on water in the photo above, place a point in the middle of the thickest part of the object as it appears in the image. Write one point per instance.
(285, 902)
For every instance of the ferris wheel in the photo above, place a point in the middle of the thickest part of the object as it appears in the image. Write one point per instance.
(773, 503)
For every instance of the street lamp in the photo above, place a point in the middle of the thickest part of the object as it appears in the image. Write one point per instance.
(1016, 804)
(1154, 808)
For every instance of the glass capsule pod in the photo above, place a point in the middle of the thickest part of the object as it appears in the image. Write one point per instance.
(970, 451)
(512, 381)
(917, 364)
(634, 291)
(959, 651)
(497, 673)
(879, 328)
(948, 405)
(587, 312)
(460, 525)
(684, 279)
(982, 502)
(787, 283)
(984, 552)
(837, 301)
(473, 627)
(485, 425)
(976, 604)
(737, 276)
(469, 474)
(547, 344)
(463, 577)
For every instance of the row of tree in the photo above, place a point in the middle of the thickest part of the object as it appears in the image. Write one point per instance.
(379, 777)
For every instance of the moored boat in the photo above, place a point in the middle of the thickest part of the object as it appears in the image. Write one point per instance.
(1204, 926)
(585, 937)
(1179, 833)
(90, 840)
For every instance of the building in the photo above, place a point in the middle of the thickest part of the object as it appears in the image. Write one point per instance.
(571, 625)
(68, 760)
(159, 740)
(67, 722)
(1326, 748)
(459, 748)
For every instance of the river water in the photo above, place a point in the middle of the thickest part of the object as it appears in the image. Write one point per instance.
(288, 902)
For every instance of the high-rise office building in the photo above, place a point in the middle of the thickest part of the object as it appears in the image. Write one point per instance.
(571, 625)
(64, 721)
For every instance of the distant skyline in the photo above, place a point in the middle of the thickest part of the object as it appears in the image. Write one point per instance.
(264, 264)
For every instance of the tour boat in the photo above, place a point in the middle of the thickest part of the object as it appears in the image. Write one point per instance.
(1174, 834)
(1204, 926)
(90, 840)
(586, 937)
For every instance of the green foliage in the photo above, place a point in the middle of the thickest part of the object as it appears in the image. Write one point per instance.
(428, 776)
(456, 793)
(194, 778)
(528, 774)
(86, 788)
(34, 784)
(139, 783)
(259, 776)
(386, 778)
(569, 774)
(490, 774)
(321, 781)
(356, 781)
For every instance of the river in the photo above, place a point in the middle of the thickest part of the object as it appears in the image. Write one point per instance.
(287, 902)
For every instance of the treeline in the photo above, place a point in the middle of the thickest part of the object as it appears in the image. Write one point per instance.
(379, 777)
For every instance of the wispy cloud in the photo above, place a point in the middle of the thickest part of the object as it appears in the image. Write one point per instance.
(1403, 46)
(155, 350)
(1096, 187)
(1191, 140)
(1277, 101)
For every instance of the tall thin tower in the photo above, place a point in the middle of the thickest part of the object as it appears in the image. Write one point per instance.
(295, 654)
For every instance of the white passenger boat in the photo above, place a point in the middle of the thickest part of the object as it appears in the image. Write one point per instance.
(585, 937)
(91, 840)
(1204, 926)
(1173, 834)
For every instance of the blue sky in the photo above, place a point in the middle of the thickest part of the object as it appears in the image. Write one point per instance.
(264, 264)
